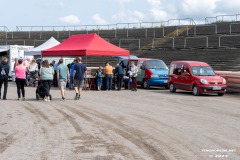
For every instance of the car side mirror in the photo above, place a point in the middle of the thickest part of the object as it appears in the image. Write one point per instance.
(187, 74)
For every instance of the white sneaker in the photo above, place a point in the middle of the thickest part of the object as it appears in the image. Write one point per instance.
(45, 99)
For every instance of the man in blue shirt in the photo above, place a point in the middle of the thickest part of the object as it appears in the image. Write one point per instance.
(119, 72)
(71, 73)
(79, 73)
(62, 77)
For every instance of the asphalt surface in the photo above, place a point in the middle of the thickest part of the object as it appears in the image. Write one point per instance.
(120, 125)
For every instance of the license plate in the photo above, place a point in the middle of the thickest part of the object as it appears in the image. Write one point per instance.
(217, 88)
(164, 81)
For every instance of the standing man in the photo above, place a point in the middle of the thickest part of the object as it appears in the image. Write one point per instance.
(119, 72)
(62, 77)
(79, 73)
(71, 73)
(108, 70)
(55, 81)
(4, 69)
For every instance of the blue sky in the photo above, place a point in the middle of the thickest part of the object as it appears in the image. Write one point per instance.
(102, 12)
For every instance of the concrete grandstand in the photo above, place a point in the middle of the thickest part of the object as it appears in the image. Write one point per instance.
(217, 43)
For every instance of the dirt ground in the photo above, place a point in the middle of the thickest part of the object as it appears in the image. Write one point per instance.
(120, 125)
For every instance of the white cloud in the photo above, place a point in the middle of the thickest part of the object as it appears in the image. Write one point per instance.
(198, 8)
(226, 6)
(123, 1)
(61, 4)
(154, 3)
(129, 16)
(159, 14)
(162, 10)
(70, 19)
(98, 20)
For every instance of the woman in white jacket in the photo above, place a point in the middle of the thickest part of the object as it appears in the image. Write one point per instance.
(133, 75)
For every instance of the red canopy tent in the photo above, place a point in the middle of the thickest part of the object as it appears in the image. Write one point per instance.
(85, 45)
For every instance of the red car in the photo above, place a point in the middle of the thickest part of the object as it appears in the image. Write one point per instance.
(197, 77)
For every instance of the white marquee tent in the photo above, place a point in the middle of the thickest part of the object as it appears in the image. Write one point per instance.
(38, 50)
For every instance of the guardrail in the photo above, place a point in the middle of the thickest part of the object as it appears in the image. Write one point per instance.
(178, 22)
(222, 18)
(4, 28)
(233, 80)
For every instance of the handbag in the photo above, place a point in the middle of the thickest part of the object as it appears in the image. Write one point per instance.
(130, 80)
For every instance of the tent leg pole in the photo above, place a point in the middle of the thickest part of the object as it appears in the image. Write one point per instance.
(102, 61)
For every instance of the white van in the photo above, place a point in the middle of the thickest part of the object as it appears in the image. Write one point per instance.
(12, 52)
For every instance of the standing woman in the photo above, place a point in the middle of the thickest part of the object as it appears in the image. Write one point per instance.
(46, 74)
(4, 69)
(134, 70)
(20, 74)
(99, 76)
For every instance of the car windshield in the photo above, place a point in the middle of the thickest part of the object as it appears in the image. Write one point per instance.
(156, 64)
(202, 71)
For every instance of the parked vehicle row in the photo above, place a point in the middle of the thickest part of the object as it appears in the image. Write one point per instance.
(151, 72)
(198, 77)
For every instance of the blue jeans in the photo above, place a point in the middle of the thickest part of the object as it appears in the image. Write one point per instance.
(109, 81)
(71, 83)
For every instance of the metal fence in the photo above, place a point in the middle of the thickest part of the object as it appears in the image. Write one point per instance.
(170, 22)
(4, 28)
(222, 18)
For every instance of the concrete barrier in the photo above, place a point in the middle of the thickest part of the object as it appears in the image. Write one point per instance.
(233, 80)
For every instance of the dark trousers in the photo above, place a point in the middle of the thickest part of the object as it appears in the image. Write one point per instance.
(134, 83)
(109, 81)
(20, 87)
(119, 81)
(47, 87)
(5, 82)
(55, 82)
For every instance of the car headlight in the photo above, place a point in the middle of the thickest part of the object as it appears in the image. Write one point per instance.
(204, 81)
(224, 81)
(154, 76)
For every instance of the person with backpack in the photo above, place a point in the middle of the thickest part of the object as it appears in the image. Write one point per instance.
(4, 68)
(99, 76)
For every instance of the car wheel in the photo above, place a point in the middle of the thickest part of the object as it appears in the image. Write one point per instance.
(195, 90)
(146, 84)
(220, 94)
(172, 88)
